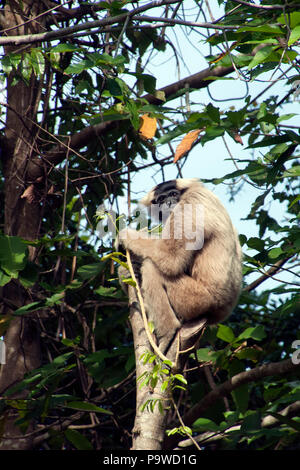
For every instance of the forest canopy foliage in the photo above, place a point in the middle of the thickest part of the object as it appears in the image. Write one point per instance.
(85, 114)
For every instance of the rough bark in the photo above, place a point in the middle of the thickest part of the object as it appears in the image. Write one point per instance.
(21, 217)
(150, 426)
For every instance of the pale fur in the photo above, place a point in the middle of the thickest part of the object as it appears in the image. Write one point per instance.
(179, 285)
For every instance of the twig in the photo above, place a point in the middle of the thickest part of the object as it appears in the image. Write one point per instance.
(183, 425)
(267, 7)
(273, 270)
(87, 26)
(121, 35)
(65, 190)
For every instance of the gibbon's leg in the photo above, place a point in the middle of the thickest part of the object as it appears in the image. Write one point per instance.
(190, 299)
(157, 305)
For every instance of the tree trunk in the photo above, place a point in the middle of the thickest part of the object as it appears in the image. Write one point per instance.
(150, 426)
(22, 215)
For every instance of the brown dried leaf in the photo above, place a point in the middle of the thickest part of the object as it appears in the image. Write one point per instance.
(238, 138)
(185, 145)
(148, 127)
(51, 190)
(29, 194)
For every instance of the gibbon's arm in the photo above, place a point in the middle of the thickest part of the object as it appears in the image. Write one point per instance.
(170, 256)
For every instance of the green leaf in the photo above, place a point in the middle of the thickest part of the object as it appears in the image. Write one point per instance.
(129, 281)
(275, 252)
(268, 141)
(106, 291)
(84, 406)
(10, 61)
(250, 353)
(294, 201)
(180, 378)
(6, 64)
(205, 424)
(256, 243)
(257, 333)
(26, 67)
(90, 270)
(179, 130)
(106, 59)
(134, 114)
(213, 113)
(293, 172)
(108, 116)
(293, 19)
(32, 307)
(78, 440)
(251, 169)
(285, 117)
(206, 355)
(251, 422)
(149, 83)
(260, 56)
(79, 67)
(4, 278)
(54, 58)
(29, 275)
(13, 252)
(55, 299)
(241, 394)
(211, 132)
(62, 359)
(71, 343)
(15, 59)
(236, 117)
(113, 87)
(65, 47)
(225, 333)
(38, 62)
(262, 29)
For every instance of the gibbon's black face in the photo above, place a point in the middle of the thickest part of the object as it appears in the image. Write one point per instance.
(166, 196)
(166, 193)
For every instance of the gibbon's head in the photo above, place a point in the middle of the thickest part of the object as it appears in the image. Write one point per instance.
(163, 198)
(163, 191)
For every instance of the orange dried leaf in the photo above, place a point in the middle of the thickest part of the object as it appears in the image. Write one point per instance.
(238, 138)
(185, 145)
(148, 127)
(29, 194)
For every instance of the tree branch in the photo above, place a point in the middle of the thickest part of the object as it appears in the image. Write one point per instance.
(62, 32)
(253, 375)
(267, 7)
(198, 80)
(273, 270)
(81, 139)
(268, 421)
